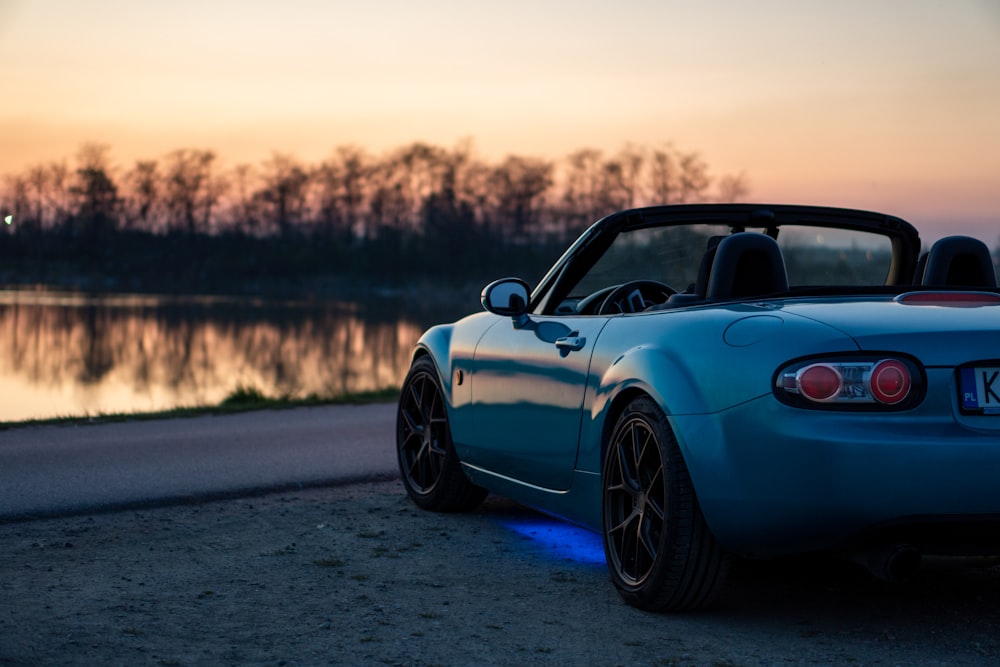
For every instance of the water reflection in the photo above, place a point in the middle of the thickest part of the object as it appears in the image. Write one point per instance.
(71, 355)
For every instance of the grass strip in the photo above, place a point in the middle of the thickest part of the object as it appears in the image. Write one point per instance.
(242, 399)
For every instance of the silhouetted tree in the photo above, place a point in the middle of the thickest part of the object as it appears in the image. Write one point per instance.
(518, 187)
(190, 193)
(142, 200)
(663, 176)
(418, 208)
(17, 202)
(283, 194)
(343, 183)
(733, 188)
(625, 172)
(243, 214)
(581, 190)
(96, 194)
(694, 179)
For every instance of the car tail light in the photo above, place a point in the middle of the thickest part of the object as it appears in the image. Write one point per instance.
(889, 381)
(819, 382)
(851, 383)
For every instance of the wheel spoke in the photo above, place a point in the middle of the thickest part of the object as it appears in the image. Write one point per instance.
(642, 559)
(411, 425)
(655, 502)
(626, 463)
(635, 450)
(648, 466)
(428, 462)
(634, 502)
(414, 395)
(423, 432)
(648, 537)
(622, 526)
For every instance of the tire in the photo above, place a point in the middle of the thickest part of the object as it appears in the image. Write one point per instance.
(428, 464)
(660, 553)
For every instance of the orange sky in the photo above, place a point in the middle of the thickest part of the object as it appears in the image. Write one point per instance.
(892, 105)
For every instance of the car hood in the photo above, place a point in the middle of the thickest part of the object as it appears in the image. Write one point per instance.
(936, 332)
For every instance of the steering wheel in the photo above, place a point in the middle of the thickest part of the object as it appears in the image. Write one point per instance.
(635, 296)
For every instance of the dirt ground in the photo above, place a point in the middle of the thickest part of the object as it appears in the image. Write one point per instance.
(356, 575)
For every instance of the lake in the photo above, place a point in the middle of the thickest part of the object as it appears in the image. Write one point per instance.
(75, 355)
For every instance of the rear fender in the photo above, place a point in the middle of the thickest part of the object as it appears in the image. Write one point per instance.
(698, 370)
(655, 371)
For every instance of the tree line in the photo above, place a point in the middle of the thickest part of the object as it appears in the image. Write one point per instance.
(184, 222)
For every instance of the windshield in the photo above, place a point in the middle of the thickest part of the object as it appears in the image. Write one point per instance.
(669, 255)
(672, 255)
(680, 256)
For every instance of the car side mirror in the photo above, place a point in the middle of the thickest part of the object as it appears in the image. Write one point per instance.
(507, 297)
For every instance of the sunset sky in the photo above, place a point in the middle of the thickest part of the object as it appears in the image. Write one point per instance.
(891, 105)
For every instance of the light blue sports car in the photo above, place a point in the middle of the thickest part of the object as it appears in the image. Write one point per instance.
(698, 382)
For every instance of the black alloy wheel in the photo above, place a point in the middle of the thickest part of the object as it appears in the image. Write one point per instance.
(661, 554)
(431, 471)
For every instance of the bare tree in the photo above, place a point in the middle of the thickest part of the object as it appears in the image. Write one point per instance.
(631, 162)
(663, 176)
(17, 202)
(402, 184)
(519, 186)
(95, 191)
(47, 196)
(283, 193)
(58, 199)
(581, 188)
(470, 178)
(143, 198)
(733, 188)
(414, 174)
(190, 193)
(693, 179)
(37, 182)
(342, 189)
(242, 212)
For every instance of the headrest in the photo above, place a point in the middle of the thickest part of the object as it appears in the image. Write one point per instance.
(959, 261)
(747, 264)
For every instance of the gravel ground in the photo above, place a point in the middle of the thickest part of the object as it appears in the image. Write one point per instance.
(357, 575)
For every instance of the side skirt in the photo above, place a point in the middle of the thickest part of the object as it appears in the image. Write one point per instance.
(579, 504)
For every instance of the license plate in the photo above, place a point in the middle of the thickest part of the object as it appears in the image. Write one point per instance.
(979, 389)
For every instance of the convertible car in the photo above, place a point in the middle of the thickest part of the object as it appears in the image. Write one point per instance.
(703, 382)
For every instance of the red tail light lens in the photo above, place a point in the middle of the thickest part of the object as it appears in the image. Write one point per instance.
(819, 382)
(851, 383)
(890, 381)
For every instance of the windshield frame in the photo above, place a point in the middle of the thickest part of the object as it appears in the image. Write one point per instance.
(567, 272)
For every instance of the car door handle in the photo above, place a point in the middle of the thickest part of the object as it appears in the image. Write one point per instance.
(571, 343)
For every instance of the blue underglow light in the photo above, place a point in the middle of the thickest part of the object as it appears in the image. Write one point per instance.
(558, 539)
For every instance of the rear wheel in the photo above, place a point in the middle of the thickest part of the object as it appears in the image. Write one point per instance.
(431, 471)
(660, 553)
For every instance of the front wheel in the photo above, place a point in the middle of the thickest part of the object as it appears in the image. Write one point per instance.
(431, 471)
(660, 553)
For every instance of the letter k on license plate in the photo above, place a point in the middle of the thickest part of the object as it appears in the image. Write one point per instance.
(979, 389)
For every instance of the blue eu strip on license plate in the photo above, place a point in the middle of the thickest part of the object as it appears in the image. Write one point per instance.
(980, 389)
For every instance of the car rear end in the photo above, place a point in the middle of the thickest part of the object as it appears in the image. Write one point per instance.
(890, 449)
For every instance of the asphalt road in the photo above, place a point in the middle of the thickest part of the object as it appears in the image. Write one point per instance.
(65, 470)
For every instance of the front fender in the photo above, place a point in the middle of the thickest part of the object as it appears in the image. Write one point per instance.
(436, 343)
(451, 347)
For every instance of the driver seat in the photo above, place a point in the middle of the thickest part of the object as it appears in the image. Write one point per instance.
(747, 264)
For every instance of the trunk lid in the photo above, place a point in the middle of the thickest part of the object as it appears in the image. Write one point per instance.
(938, 329)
